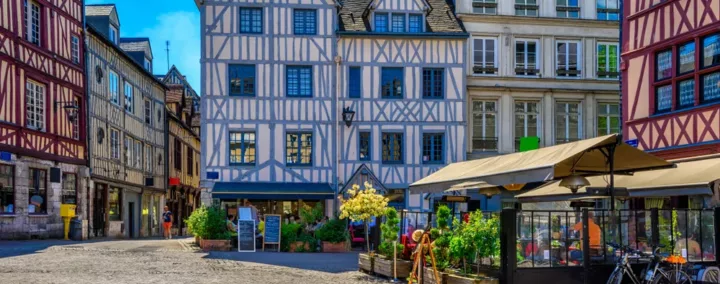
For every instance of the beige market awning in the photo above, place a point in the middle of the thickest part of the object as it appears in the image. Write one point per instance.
(689, 177)
(544, 164)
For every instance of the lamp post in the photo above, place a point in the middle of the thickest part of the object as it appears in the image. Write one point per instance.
(71, 108)
(347, 116)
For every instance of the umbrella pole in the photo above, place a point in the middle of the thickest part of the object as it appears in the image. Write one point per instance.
(611, 162)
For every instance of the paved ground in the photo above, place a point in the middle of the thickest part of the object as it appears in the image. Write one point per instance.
(167, 261)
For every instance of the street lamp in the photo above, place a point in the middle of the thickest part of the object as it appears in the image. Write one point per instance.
(71, 108)
(347, 116)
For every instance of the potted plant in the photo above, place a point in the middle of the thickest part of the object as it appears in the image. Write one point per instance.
(333, 236)
(209, 226)
(441, 236)
(389, 262)
(288, 237)
(363, 205)
(477, 239)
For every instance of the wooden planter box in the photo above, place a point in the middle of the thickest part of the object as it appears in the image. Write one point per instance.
(215, 245)
(456, 279)
(429, 276)
(384, 267)
(294, 246)
(333, 247)
(366, 263)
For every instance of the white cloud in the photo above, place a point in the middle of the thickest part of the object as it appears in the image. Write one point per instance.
(181, 29)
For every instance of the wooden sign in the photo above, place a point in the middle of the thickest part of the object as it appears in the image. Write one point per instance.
(272, 230)
(246, 235)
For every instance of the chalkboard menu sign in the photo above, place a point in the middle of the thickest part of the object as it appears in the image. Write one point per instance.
(272, 230)
(246, 235)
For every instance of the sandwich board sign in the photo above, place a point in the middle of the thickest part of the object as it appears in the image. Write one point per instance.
(272, 230)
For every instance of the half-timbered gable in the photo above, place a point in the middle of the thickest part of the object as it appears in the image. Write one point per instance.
(127, 126)
(42, 114)
(403, 74)
(671, 59)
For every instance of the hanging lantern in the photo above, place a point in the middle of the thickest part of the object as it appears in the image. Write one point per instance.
(514, 186)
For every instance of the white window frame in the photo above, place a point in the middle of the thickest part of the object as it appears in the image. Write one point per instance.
(75, 49)
(148, 112)
(538, 56)
(566, 116)
(114, 144)
(76, 123)
(484, 56)
(525, 114)
(484, 9)
(35, 105)
(567, 58)
(128, 147)
(30, 19)
(114, 87)
(484, 114)
(113, 34)
(607, 63)
(129, 96)
(525, 2)
(148, 65)
(148, 158)
(138, 154)
(607, 115)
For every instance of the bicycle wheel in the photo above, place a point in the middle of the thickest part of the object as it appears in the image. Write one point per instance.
(616, 277)
(673, 277)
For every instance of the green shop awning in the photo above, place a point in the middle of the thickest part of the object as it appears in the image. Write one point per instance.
(272, 190)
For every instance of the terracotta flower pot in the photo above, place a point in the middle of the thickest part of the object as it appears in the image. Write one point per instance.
(294, 246)
(333, 247)
(215, 245)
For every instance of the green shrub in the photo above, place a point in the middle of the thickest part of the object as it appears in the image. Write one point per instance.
(334, 231)
(390, 230)
(308, 240)
(209, 223)
(288, 235)
(441, 237)
(308, 214)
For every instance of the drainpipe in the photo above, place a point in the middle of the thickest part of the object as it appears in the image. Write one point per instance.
(338, 61)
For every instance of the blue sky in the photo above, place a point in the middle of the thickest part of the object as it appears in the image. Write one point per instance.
(177, 21)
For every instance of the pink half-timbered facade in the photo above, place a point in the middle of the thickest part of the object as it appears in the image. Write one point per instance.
(42, 131)
(671, 76)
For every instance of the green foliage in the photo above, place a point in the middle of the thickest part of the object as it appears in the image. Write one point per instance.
(390, 230)
(334, 231)
(441, 237)
(478, 237)
(311, 214)
(288, 235)
(307, 240)
(443, 217)
(209, 223)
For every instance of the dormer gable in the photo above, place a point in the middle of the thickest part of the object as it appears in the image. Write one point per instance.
(406, 17)
(140, 50)
(104, 18)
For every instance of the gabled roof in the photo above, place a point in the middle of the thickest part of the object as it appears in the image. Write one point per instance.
(364, 170)
(440, 17)
(137, 44)
(103, 10)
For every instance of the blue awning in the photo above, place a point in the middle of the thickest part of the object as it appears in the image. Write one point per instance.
(272, 190)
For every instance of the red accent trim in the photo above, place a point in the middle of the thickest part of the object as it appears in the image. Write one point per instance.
(174, 181)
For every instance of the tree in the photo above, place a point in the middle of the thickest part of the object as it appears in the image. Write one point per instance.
(390, 230)
(362, 205)
(441, 236)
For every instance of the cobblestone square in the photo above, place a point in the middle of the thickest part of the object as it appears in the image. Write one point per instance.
(167, 261)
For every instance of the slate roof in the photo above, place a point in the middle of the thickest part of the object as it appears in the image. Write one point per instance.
(353, 17)
(134, 43)
(99, 10)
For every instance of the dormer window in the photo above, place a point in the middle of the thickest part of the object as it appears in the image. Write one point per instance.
(113, 34)
(148, 65)
(398, 22)
(381, 22)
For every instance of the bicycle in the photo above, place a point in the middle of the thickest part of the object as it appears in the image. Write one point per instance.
(654, 273)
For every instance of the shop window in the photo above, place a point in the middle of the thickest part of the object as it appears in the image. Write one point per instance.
(114, 204)
(37, 192)
(69, 189)
(7, 189)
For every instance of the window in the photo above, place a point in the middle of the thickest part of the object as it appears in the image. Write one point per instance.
(148, 65)
(190, 162)
(608, 10)
(148, 112)
(568, 59)
(663, 65)
(433, 148)
(415, 23)
(608, 119)
(128, 148)
(242, 80)
(37, 192)
(567, 9)
(242, 148)
(381, 22)
(686, 93)
(114, 213)
(75, 49)
(128, 97)
(76, 124)
(398, 23)
(138, 154)
(526, 121)
(32, 22)
(114, 144)
(488, 7)
(354, 82)
(433, 83)
(251, 20)
(114, 87)
(391, 82)
(305, 22)
(484, 135)
(113, 34)
(607, 54)
(526, 61)
(484, 56)
(711, 50)
(299, 149)
(568, 124)
(7, 189)
(686, 59)
(663, 99)
(177, 151)
(35, 105)
(69, 189)
(392, 144)
(299, 81)
(526, 8)
(364, 154)
(711, 87)
(148, 158)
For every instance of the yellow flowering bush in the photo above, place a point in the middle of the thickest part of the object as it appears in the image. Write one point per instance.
(362, 205)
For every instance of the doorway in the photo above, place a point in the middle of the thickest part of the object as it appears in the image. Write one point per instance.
(98, 224)
(131, 219)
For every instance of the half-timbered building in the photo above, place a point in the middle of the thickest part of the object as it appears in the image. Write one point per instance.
(268, 115)
(402, 71)
(127, 130)
(671, 76)
(42, 116)
(183, 148)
